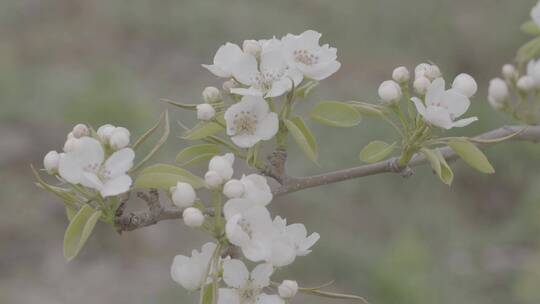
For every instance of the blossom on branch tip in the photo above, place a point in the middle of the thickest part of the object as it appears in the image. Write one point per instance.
(442, 106)
(390, 92)
(190, 271)
(233, 189)
(288, 289)
(86, 165)
(193, 217)
(211, 95)
(250, 121)
(205, 111)
(298, 235)
(119, 138)
(225, 59)
(183, 195)
(498, 90)
(222, 165)
(465, 84)
(401, 74)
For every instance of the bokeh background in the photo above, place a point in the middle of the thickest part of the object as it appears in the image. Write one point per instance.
(389, 239)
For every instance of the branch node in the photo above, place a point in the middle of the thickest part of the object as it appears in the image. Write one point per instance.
(276, 165)
(394, 167)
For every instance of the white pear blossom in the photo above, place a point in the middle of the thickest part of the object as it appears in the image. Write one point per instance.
(211, 95)
(443, 107)
(193, 217)
(205, 111)
(183, 195)
(86, 165)
(304, 53)
(246, 287)
(298, 235)
(213, 179)
(533, 71)
(222, 165)
(401, 74)
(256, 192)
(252, 47)
(271, 76)
(288, 289)
(250, 121)
(189, 271)
(119, 138)
(535, 14)
(51, 161)
(225, 60)
(390, 92)
(465, 84)
(104, 132)
(233, 189)
(430, 71)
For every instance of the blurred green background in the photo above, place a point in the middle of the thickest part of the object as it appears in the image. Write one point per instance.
(388, 239)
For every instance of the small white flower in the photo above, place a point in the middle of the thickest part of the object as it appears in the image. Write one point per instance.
(205, 111)
(390, 92)
(533, 71)
(465, 84)
(298, 235)
(211, 95)
(222, 165)
(509, 71)
(86, 165)
(526, 83)
(51, 161)
(498, 90)
(213, 179)
(189, 271)
(250, 121)
(245, 287)
(421, 85)
(443, 107)
(183, 195)
(288, 289)
(225, 59)
(304, 53)
(535, 14)
(401, 74)
(193, 217)
(80, 130)
(256, 192)
(252, 47)
(104, 132)
(119, 138)
(233, 189)
(271, 76)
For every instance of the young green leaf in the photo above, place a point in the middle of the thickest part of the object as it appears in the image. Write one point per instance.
(79, 230)
(471, 155)
(336, 114)
(161, 141)
(529, 50)
(202, 129)
(197, 153)
(185, 106)
(303, 137)
(368, 109)
(162, 176)
(376, 151)
(530, 27)
(253, 155)
(304, 90)
(439, 165)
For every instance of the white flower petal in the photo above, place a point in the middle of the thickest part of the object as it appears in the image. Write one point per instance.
(256, 189)
(236, 206)
(91, 180)
(420, 107)
(439, 117)
(283, 252)
(245, 69)
(307, 243)
(269, 299)
(251, 91)
(280, 87)
(228, 296)
(268, 126)
(226, 57)
(456, 103)
(120, 162)
(261, 275)
(235, 234)
(245, 140)
(117, 185)
(70, 168)
(435, 92)
(323, 71)
(235, 273)
(464, 122)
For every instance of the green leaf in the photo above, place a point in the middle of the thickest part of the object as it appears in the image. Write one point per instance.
(194, 154)
(202, 129)
(471, 155)
(185, 106)
(529, 51)
(304, 90)
(162, 176)
(253, 155)
(336, 114)
(208, 296)
(530, 27)
(70, 212)
(161, 141)
(66, 195)
(439, 165)
(150, 131)
(303, 137)
(79, 230)
(368, 109)
(376, 151)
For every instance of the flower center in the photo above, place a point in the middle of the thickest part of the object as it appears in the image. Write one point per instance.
(305, 57)
(249, 294)
(246, 227)
(245, 122)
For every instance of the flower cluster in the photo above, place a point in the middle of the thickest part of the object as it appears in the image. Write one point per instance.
(99, 162)
(249, 227)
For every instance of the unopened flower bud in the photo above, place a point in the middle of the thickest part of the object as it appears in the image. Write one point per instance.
(288, 289)
(509, 71)
(496, 104)
(465, 84)
(213, 179)
(211, 95)
(421, 85)
(228, 85)
(390, 92)
(193, 217)
(421, 70)
(401, 74)
(233, 189)
(433, 72)
(183, 195)
(51, 161)
(119, 138)
(80, 130)
(252, 47)
(525, 83)
(222, 165)
(498, 90)
(71, 144)
(104, 132)
(205, 111)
